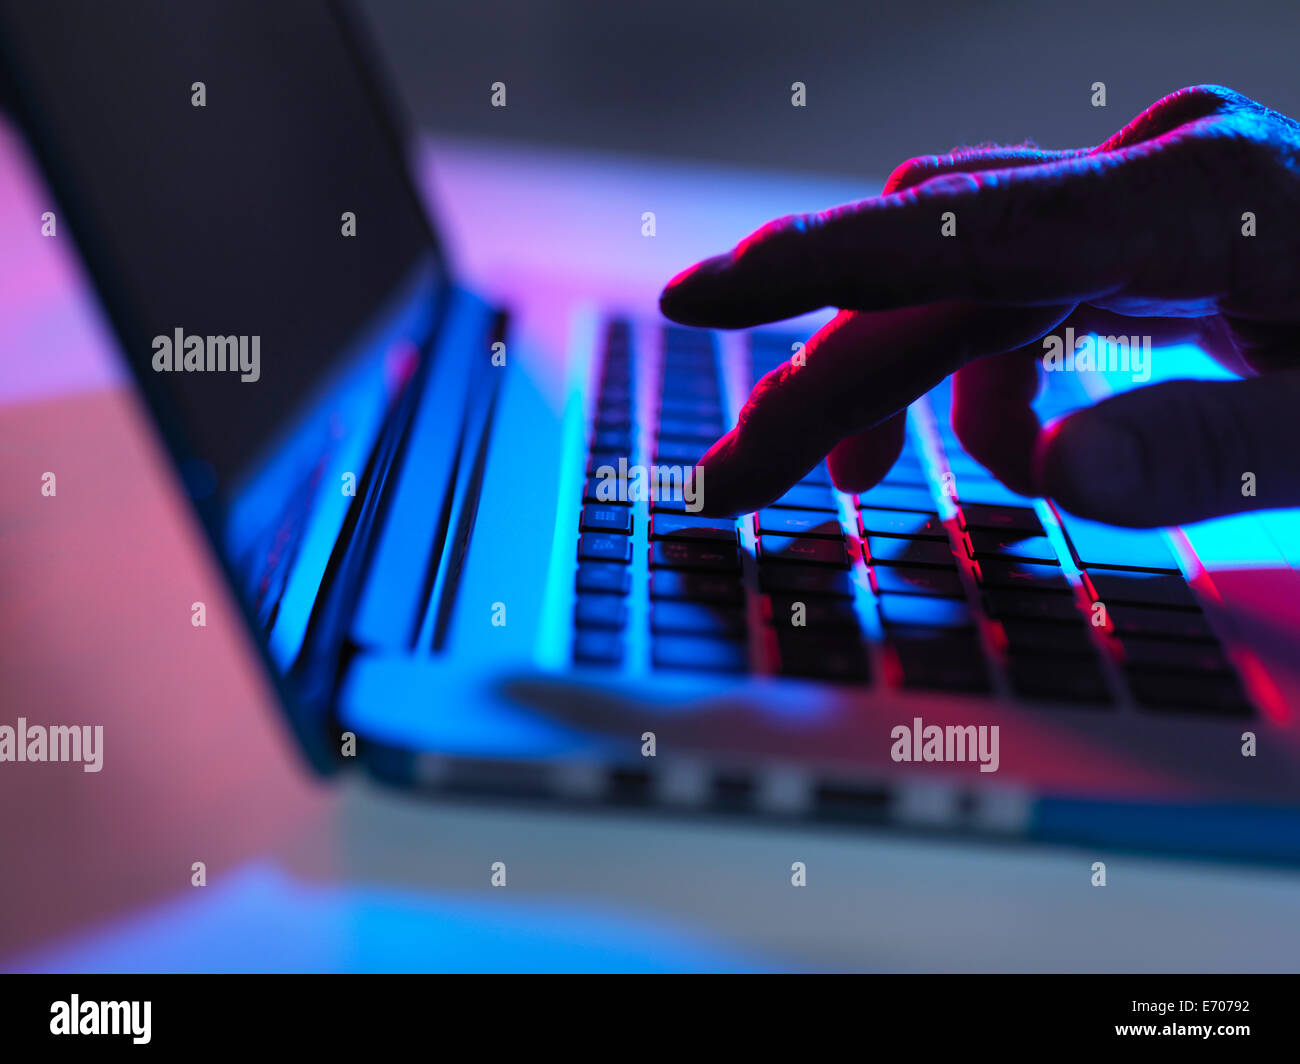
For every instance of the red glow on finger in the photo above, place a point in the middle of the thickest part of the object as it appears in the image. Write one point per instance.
(684, 276)
(1042, 447)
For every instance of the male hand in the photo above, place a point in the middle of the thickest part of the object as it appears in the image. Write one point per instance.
(1147, 225)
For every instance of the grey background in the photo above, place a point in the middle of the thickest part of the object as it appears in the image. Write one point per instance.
(710, 80)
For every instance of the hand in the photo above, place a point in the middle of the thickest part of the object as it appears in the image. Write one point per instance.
(1147, 225)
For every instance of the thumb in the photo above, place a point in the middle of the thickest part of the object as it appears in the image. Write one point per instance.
(1177, 452)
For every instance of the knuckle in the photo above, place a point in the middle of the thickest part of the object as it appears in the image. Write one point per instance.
(759, 410)
(1217, 96)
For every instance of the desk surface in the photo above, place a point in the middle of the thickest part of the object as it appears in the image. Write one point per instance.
(95, 614)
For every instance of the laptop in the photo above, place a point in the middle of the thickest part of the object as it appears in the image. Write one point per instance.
(474, 565)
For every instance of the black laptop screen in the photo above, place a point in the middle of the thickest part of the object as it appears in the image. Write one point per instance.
(238, 192)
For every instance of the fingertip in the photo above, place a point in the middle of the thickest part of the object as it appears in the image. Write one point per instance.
(859, 462)
(687, 299)
(720, 482)
(739, 477)
(1094, 467)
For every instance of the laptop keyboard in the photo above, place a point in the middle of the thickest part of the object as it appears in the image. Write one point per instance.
(938, 578)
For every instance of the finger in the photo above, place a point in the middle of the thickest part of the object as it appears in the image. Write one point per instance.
(913, 172)
(858, 370)
(992, 398)
(862, 458)
(1176, 452)
(920, 169)
(993, 414)
(860, 461)
(1172, 111)
(713, 292)
(1077, 229)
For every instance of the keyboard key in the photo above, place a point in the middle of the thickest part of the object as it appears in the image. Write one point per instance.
(1000, 518)
(618, 440)
(917, 580)
(617, 371)
(897, 497)
(774, 521)
(1152, 654)
(607, 519)
(1010, 545)
(1027, 576)
(907, 473)
(683, 554)
(781, 611)
(675, 485)
(605, 460)
(1058, 679)
(1169, 691)
(911, 524)
(695, 587)
(695, 652)
(685, 338)
(1172, 624)
(674, 506)
(941, 660)
(822, 656)
(684, 381)
(615, 380)
(1142, 589)
(702, 411)
(923, 611)
(600, 611)
(695, 619)
(1061, 638)
(962, 464)
(1030, 605)
(606, 491)
(703, 432)
(802, 549)
(675, 451)
(613, 416)
(1106, 547)
(984, 489)
(615, 396)
(700, 355)
(603, 576)
(819, 474)
(805, 580)
(890, 550)
(598, 647)
(808, 497)
(603, 547)
(690, 377)
(687, 526)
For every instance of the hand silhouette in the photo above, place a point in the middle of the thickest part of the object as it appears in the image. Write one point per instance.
(1145, 233)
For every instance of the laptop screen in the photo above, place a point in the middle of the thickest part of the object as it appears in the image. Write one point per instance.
(232, 178)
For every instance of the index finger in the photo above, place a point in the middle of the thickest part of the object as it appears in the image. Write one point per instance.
(1065, 231)
(859, 369)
